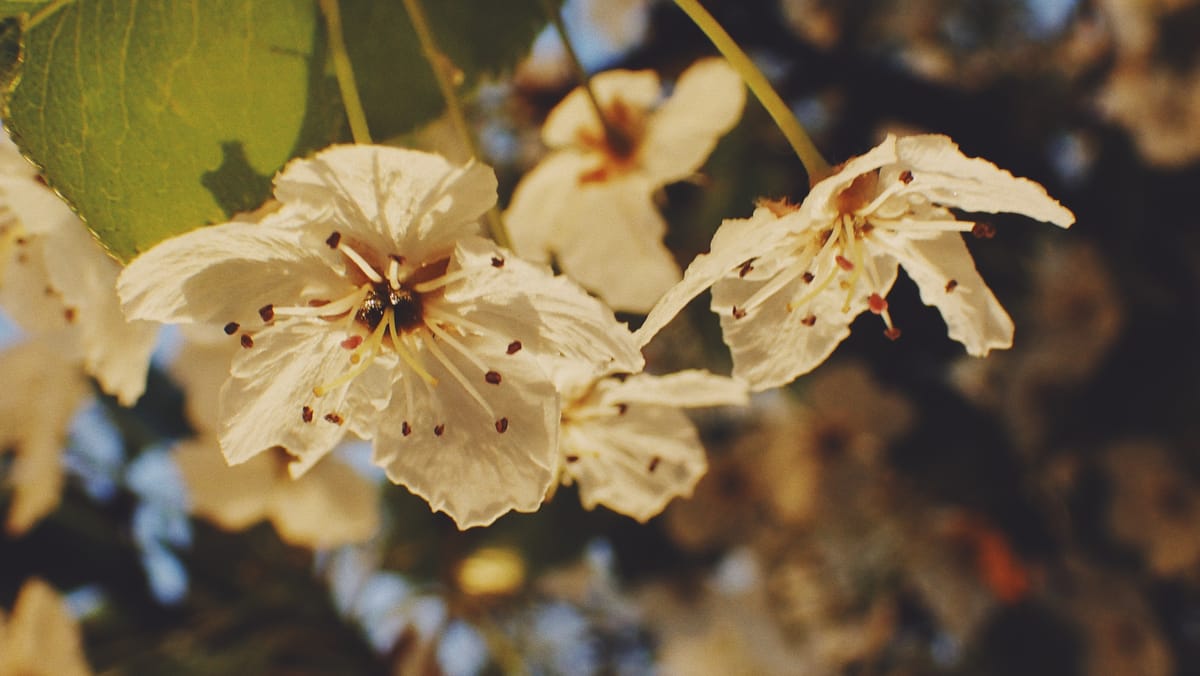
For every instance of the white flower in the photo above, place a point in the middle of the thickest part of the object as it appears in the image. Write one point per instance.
(53, 274)
(590, 203)
(40, 637)
(788, 281)
(41, 388)
(368, 303)
(628, 444)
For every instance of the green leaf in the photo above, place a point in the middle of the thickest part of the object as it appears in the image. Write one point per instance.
(396, 84)
(152, 119)
(15, 7)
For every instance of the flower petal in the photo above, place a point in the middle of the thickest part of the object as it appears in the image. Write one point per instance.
(772, 344)
(535, 216)
(735, 242)
(42, 637)
(974, 184)
(574, 115)
(634, 463)
(330, 506)
(470, 462)
(688, 389)
(224, 273)
(234, 498)
(550, 316)
(269, 400)
(707, 102)
(391, 199)
(945, 273)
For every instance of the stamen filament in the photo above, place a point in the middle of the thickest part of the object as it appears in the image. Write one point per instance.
(369, 347)
(407, 355)
(394, 273)
(775, 284)
(439, 282)
(360, 262)
(344, 304)
(855, 256)
(949, 225)
(454, 343)
(457, 375)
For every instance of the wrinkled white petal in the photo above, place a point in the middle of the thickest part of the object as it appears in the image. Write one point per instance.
(544, 194)
(636, 463)
(41, 636)
(330, 506)
(472, 462)
(639, 90)
(550, 316)
(234, 498)
(707, 102)
(391, 199)
(263, 403)
(224, 273)
(950, 178)
(945, 273)
(735, 242)
(772, 344)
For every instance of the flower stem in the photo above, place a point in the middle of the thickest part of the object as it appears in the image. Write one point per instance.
(816, 165)
(613, 135)
(445, 73)
(345, 72)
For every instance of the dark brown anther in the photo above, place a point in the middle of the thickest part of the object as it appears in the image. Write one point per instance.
(877, 304)
(497, 262)
(334, 418)
(571, 458)
(306, 414)
(334, 240)
(405, 428)
(439, 429)
(514, 347)
(247, 341)
(807, 277)
(69, 315)
(654, 464)
(951, 285)
(747, 267)
(809, 320)
(492, 377)
(622, 408)
(892, 333)
(231, 328)
(738, 313)
(502, 425)
(983, 230)
(906, 177)
(267, 312)
(352, 342)
(844, 263)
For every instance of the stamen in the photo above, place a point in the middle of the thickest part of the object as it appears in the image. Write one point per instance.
(394, 272)
(231, 328)
(439, 282)
(369, 347)
(514, 347)
(247, 341)
(267, 312)
(437, 353)
(458, 322)
(306, 414)
(454, 343)
(359, 261)
(409, 356)
(856, 254)
(342, 305)
(912, 225)
(502, 425)
(884, 195)
(492, 377)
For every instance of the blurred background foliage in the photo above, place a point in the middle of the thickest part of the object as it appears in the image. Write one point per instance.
(905, 509)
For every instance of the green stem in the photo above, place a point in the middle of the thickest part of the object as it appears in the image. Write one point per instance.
(816, 165)
(443, 71)
(612, 134)
(345, 72)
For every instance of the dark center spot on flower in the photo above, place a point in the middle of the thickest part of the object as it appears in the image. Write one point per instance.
(858, 194)
(306, 414)
(514, 347)
(497, 262)
(502, 425)
(492, 377)
(267, 312)
(405, 304)
(231, 328)
(439, 429)
(653, 464)
(405, 428)
(334, 418)
(951, 285)
(247, 341)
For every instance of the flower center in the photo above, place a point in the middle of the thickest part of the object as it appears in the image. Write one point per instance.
(404, 303)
